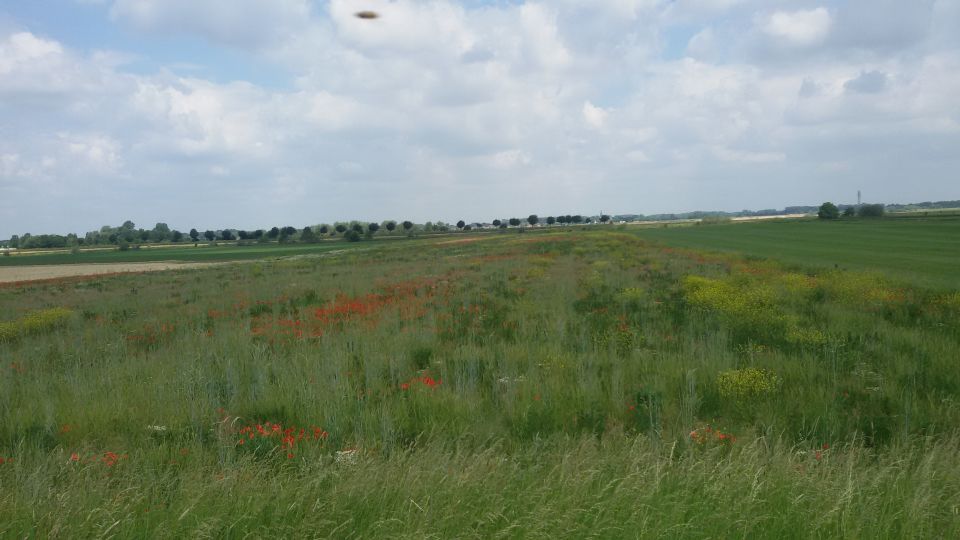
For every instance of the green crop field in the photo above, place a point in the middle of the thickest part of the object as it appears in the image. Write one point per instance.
(920, 250)
(580, 383)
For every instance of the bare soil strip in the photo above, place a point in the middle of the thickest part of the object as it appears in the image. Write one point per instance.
(26, 274)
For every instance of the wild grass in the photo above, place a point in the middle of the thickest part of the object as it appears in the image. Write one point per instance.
(576, 384)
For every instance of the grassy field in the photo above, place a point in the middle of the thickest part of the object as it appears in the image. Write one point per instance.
(187, 253)
(921, 250)
(582, 383)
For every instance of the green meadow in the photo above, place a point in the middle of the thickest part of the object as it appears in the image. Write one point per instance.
(770, 380)
(916, 248)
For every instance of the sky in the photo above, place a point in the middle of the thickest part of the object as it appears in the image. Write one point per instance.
(254, 113)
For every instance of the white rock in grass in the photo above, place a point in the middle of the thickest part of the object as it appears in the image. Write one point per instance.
(347, 457)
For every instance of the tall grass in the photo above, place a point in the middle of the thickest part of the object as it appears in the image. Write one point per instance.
(564, 384)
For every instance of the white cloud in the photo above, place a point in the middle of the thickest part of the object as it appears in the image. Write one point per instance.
(492, 107)
(246, 23)
(594, 116)
(801, 28)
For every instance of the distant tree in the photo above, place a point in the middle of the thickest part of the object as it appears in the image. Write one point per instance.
(828, 210)
(373, 227)
(467, 227)
(341, 228)
(226, 235)
(407, 225)
(533, 219)
(194, 235)
(128, 225)
(176, 236)
(871, 210)
(390, 225)
(143, 234)
(15, 241)
(308, 236)
(243, 235)
(288, 230)
(273, 233)
(460, 224)
(514, 222)
(258, 234)
(588, 220)
(352, 236)
(551, 220)
(160, 232)
(209, 235)
(496, 223)
(849, 211)
(357, 228)
(324, 229)
(503, 225)
(578, 219)
(604, 218)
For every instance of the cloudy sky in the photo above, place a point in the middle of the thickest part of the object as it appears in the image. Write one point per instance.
(253, 113)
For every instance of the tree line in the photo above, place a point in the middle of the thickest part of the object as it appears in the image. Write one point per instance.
(129, 235)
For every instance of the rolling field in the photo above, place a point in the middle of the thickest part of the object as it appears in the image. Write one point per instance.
(922, 251)
(578, 383)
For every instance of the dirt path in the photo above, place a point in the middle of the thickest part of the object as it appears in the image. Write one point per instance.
(10, 274)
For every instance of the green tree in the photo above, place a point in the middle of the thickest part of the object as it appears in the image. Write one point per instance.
(308, 236)
(373, 227)
(828, 210)
(407, 225)
(160, 232)
(496, 223)
(352, 236)
(176, 236)
(533, 219)
(849, 211)
(604, 218)
(551, 220)
(341, 228)
(273, 233)
(324, 229)
(871, 210)
(390, 226)
(514, 222)
(194, 235)
(460, 224)
(209, 235)
(226, 234)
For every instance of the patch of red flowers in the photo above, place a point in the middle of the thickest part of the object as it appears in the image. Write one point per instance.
(423, 381)
(705, 435)
(107, 458)
(6, 460)
(286, 439)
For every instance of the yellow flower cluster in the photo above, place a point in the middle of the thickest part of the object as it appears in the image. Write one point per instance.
(747, 384)
(36, 322)
(745, 304)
